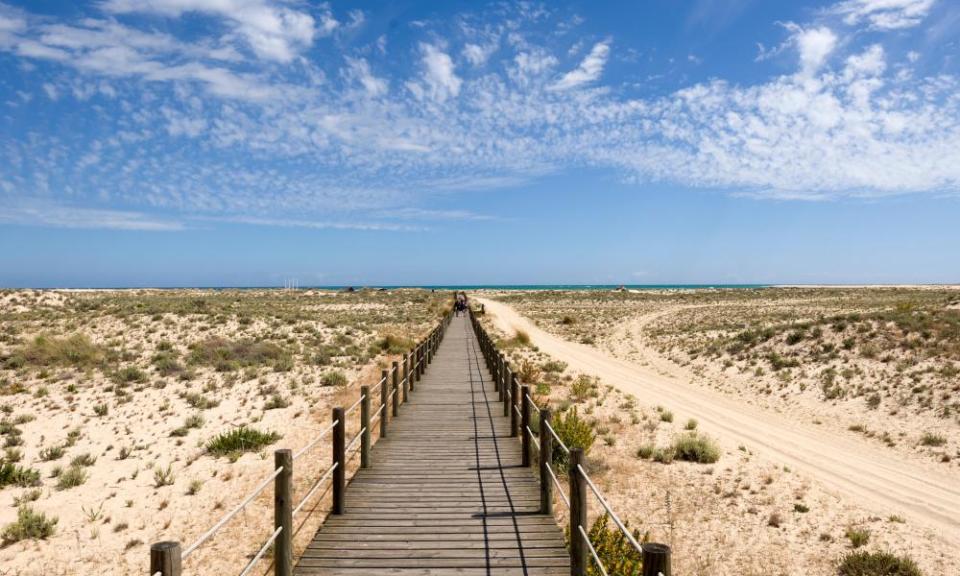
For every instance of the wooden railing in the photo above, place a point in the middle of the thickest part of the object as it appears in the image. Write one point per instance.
(395, 385)
(517, 404)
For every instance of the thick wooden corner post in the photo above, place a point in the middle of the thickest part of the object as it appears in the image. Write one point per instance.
(283, 513)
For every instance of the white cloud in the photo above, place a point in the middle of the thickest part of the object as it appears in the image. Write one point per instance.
(883, 14)
(271, 30)
(477, 54)
(589, 69)
(814, 45)
(60, 216)
(358, 70)
(439, 79)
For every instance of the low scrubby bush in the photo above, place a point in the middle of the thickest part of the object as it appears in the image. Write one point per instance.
(877, 564)
(239, 440)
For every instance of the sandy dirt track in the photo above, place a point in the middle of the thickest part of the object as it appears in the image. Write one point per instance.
(881, 482)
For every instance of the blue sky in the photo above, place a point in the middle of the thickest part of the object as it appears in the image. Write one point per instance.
(242, 142)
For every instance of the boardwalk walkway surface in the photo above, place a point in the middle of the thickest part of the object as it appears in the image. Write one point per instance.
(445, 492)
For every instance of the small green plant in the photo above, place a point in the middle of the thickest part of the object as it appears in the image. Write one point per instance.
(194, 487)
(690, 425)
(522, 338)
(276, 401)
(239, 440)
(27, 497)
(695, 447)
(575, 432)
(801, 508)
(858, 536)
(29, 525)
(101, 410)
(333, 378)
(51, 453)
(71, 477)
(615, 552)
(393, 344)
(864, 563)
(932, 439)
(645, 451)
(84, 460)
(666, 416)
(163, 477)
(13, 475)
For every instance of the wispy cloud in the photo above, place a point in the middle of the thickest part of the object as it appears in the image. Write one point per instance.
(883, 14)
(60, 216)
(589, 69)
(218, 124)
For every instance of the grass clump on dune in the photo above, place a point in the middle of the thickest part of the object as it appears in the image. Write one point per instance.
(13, 475)
(228, 355)
(239, 440)
(29, 524)
(877, 564)
(694, 447)
(392, 344)
(76, 350)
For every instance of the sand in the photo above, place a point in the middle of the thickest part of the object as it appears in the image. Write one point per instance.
(852, 478)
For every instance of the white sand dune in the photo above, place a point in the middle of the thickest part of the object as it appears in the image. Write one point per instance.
(876, 479)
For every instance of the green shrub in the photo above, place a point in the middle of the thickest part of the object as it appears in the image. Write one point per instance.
(393, 344)
(239, 440)
(227, 355)
(877, 564)
(29, 524)
(51, 453)
(931, 439)
(129, 375)
(84, 460)
(333, 378)
(613, 549)
(166, 363)
(858, 536)
(163, 477)
(13, 475)
(645, 451)
(666, 416)
(276, 401)
(694, 447)
(76, 351)
(575, 432)
(71, 477)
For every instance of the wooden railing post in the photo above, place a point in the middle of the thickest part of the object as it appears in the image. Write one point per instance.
(504, 386)
(514, 397)
(339, 459)
(656, 559)
(578, 514)
(408, 360)
(165, 558)
(406, 380)
(384, 391)
(283, 513)
(525, 424)
(546, 457)
(395, 381)
(365, 426)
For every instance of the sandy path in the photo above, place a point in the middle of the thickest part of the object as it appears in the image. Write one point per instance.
(881, 482)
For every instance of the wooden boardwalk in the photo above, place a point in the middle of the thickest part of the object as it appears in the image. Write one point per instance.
(445, 492)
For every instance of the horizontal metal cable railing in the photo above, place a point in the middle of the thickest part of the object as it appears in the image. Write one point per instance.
(518, 405)
(166, 558)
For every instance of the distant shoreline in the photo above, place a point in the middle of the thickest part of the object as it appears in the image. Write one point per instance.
(509, 287)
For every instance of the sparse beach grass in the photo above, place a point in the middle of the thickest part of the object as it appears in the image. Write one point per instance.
(120, 404)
